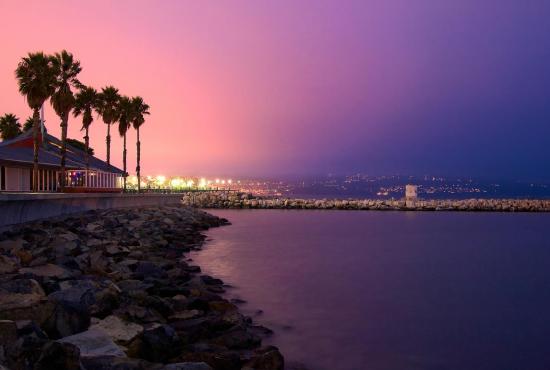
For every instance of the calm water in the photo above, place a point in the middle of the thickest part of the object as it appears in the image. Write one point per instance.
(392, 290)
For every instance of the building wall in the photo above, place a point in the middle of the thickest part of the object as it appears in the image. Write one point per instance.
(17, 179)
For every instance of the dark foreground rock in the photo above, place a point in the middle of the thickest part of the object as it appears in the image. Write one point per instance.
(113, 290)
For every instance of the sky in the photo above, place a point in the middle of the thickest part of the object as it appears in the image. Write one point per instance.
(295, 87)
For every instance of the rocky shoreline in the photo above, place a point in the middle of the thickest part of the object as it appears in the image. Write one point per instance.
(113, 289)
(234, 200)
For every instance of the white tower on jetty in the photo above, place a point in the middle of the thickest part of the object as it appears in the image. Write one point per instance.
(411, 195)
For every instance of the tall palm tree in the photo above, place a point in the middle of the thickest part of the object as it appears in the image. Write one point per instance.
(66, 70)
(140, 109)
(86, 101)
(125, 118)
(108, 109)
(9, 126)
(36, 77)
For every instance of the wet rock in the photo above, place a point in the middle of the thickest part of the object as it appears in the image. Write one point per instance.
(56, 356)
(94, 342)
(268, 358)
(238, 339)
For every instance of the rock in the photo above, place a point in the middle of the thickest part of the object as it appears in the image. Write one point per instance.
(120, 331)
(87, 296)
(98, 263)
(160, 343)
(8, 332)
(24, 256)
(184, 315)
(222, 306)
(46, 271)
(56, 355)
(132, 286)
(238, 339)
(16, 306)
(94, 342)
(12, 245)
(268, 358)
(115, 363)
(22, 286)
(187, 366)
(149, 269)
(7, 265)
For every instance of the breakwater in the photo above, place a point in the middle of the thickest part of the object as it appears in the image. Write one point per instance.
(114, 289)
(235, 200)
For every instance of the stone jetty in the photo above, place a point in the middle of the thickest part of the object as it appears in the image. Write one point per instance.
(113, 289)
(242, 200)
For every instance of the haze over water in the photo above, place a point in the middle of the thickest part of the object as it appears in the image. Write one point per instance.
(392, 290)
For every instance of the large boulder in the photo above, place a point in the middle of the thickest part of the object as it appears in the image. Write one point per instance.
(120, 331)
(94, 342)
(17, 306)
(160, 343)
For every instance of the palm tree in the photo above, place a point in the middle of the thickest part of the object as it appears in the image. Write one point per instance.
(9, 126)
(108, 109)
(36, 77)
(66, 71)
(85, 103)
(125, 117)
(140, 109)
(29, 124)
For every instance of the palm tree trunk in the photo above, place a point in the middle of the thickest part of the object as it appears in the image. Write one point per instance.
(87, 141)
(138, 168)
(124, 161)
(64, 121)
(35, 132)
(108, 140)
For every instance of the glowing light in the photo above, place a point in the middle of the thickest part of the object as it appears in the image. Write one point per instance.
(190, 183)
(217, 181)
(223, 181)
(160, 179)
(176, 182)
(229, 181)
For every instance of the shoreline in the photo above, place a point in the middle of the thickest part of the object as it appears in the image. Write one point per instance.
(115, 288)
(233, 200)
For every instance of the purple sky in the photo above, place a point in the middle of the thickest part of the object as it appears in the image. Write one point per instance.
(291, 87)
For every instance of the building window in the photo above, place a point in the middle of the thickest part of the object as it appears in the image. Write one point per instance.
(2, 178)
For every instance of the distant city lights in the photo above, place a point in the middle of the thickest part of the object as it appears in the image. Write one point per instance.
(180, 183)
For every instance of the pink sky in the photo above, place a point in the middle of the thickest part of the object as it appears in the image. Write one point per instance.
(294, 86)
(233, 87)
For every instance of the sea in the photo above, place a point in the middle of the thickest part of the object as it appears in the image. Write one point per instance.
(354, 290)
